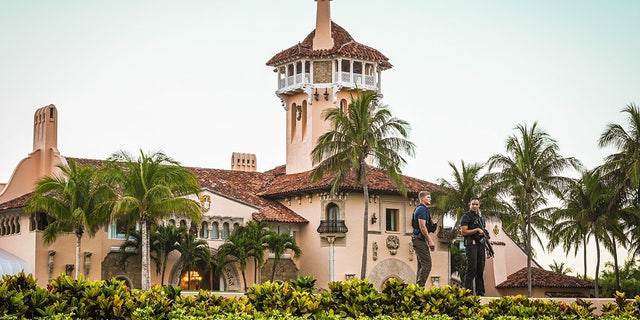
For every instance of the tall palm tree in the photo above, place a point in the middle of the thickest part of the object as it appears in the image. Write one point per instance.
(367, 131)
(623, 168)
(192, 251)
(626, 162)
(571, 224)
(453, 197)
(153, 187)
(531, 170)
(76, 199)
(278, 244)
(240, 247)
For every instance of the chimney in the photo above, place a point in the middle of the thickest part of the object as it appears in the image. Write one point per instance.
(244, 162)
(322, 39)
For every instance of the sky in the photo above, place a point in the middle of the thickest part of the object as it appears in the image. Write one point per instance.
(189, 77)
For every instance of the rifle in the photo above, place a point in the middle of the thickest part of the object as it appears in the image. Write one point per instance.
(485, 239)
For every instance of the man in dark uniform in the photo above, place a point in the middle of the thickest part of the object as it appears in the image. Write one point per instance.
(420, 239)
(471, 226)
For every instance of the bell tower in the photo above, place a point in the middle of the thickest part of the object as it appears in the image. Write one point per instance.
(323, 71)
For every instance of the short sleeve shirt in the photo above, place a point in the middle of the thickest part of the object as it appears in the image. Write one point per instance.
(468, 219)
(421, 213)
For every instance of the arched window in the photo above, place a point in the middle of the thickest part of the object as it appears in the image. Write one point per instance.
(215, 233)
(204, 230)
(172, 222)
(333, 212)
(225, 230)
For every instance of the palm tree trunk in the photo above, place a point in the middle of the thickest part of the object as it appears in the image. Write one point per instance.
(145, 280)
(78, 240)
(365, 228)
(273, 270)
(597, 294)
(615, 264)
(164, 268)
(244, 279)
(528, 208)
(584, 248)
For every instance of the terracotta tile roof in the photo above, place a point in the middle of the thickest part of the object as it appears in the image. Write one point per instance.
(379, 182)
(541, 278)
(240, 185)
(15, 203)
(246, 186)
(344, 45)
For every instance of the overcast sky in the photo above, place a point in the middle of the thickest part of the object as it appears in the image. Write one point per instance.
(189, 77)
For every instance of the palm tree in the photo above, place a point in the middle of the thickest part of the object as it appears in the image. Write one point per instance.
(162, 241)
(77, 201)
(365, 132)
(153, 187)
(623, 168)
(453, 197)
(240, 247)
(626, 162)
(256, 231)
(529, 171)
(192, 251)
(165, 239)
(560, 268)
(571, 224)
(278, 244)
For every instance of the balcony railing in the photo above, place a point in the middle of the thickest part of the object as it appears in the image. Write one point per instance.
(332, 226)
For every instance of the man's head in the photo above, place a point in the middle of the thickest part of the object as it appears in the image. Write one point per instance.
(424, 197)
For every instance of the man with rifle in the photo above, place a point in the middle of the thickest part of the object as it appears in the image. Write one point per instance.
(476, 240)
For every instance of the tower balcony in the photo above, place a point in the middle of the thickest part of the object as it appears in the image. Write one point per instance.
(296, 83)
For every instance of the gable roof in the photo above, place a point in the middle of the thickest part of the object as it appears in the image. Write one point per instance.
(543, 279)
(343, 45)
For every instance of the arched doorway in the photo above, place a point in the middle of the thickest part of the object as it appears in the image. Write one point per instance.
(201, 278)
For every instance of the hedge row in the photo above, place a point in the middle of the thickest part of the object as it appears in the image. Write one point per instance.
(66, 298)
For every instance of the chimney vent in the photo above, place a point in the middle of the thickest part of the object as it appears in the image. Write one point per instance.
(244, 162)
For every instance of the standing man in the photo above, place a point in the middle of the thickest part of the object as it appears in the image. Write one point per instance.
(421, 240)
(471, 226)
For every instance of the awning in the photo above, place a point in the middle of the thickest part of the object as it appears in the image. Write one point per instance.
(10, 264)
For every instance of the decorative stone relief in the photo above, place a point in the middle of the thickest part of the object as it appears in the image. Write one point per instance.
(87, 263)
(393, 243)
(205, 202)
(375, 250)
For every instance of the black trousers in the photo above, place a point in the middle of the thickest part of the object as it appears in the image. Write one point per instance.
(475, 267)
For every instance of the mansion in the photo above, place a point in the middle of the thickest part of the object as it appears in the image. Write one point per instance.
(322, 71)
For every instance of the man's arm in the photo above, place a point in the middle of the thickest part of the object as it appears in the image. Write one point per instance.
(423, 228)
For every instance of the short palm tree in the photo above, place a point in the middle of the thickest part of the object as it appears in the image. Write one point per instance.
(165, 239)
(366, 131)
(278, 244)
(162, 241)
(192, 251)
(560, 268)
(153, 187)
(77, 200)
(528, 172)
(240, 247)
